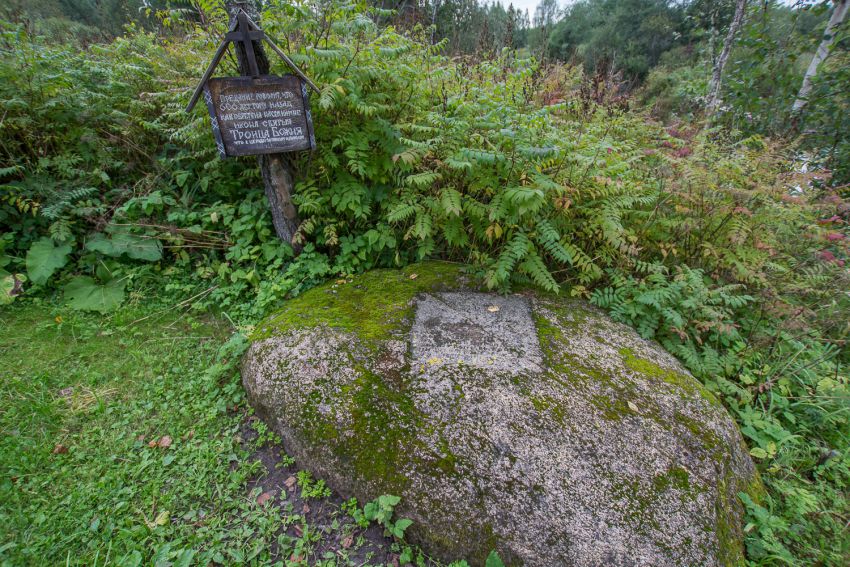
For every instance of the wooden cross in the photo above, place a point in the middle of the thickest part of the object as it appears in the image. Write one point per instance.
(246, 35)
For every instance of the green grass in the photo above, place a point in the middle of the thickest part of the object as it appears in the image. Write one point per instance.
(86, 477)
(104, 387)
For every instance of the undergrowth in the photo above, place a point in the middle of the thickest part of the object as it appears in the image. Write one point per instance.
(710, 243)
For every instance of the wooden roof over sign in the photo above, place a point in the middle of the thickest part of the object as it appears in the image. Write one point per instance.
(244, 30)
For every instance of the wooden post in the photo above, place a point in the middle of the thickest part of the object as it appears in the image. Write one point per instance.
(276, 169)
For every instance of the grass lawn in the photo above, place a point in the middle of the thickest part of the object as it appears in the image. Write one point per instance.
(123, 441)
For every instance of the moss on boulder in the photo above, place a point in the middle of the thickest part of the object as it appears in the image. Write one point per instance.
(529, 424)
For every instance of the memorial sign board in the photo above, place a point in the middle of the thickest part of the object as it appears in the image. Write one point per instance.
(259, 115)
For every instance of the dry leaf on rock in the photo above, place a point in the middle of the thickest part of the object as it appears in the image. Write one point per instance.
(493, 308)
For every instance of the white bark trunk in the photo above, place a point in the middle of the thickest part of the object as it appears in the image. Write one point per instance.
(717, 73)
(434, 19)
(838, 15)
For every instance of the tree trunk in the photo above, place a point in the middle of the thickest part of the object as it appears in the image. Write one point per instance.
(717, 73)
(276, 169)
(434, 19)
(838, 15)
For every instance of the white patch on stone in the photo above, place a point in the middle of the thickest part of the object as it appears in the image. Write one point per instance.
(463, 328)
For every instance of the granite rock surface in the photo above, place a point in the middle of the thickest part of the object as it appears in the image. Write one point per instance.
(529, 423)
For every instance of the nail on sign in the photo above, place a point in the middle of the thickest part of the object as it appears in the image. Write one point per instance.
(259, 115)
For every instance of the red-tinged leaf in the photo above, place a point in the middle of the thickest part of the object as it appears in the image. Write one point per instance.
(165, 442)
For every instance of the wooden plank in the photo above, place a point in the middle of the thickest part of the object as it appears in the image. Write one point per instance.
(213, 64)
(207, 74)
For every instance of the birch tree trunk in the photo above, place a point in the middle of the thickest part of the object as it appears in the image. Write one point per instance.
(434, 19)
(838, 15)
(717, 72)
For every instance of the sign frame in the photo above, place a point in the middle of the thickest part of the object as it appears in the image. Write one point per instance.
(226, 149)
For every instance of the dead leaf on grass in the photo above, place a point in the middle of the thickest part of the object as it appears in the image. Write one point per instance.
(414, 276)
(60, 449)
(165, 442)
(265, 497)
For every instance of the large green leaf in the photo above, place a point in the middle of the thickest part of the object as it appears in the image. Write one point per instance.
(85, 294)
(44, 258)
(133, 246)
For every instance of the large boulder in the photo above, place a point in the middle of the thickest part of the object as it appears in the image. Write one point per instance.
(529, 424)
